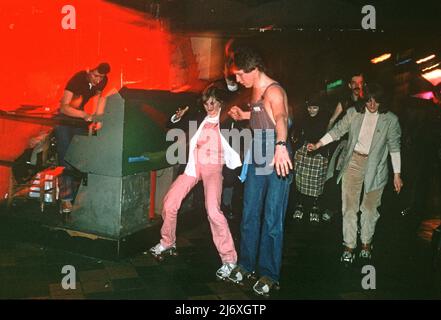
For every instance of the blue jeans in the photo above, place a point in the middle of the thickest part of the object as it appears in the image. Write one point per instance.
(68, 183)
(262, 239)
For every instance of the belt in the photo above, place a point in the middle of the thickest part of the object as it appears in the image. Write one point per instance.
(361, 154)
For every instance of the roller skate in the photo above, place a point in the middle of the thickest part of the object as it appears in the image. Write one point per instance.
(66, 206)
(159, 252)
(239, 274)
(224, 272)
(348, 257)
(298, 213)
(365, 252)
(265, 286)
(314, 216)
(327, 215)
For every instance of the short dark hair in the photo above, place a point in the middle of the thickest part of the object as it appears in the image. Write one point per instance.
(315, 100)
(247, 59)
(373, 91)
(103, 68)
(213, 91)
(356, 74)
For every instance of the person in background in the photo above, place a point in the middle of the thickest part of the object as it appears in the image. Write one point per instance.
(83, 86)
(331, 199)
(310, 167)
(373, 134)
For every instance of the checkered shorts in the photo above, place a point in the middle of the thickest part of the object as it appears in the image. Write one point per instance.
(310, 172)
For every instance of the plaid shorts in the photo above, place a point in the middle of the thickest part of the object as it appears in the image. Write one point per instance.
(310, 172)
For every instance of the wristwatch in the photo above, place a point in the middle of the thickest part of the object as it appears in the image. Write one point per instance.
(281, 143)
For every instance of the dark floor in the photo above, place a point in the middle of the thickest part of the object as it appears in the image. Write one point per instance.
(31, 262)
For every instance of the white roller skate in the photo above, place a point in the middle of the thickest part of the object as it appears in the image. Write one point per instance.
(265, 286)
(159, 252)
(347, 257)
(239, 274)
(298, 213)
(224, 272)
(314, 215)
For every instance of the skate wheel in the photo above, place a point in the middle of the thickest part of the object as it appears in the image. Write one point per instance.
(238, 283)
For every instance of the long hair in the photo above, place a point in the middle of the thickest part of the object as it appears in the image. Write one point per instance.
(373, 91)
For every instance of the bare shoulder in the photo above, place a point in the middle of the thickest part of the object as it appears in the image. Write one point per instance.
(67, 95)
(275, 94)
(276, 90)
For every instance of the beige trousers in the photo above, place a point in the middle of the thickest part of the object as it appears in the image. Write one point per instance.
(352, 181)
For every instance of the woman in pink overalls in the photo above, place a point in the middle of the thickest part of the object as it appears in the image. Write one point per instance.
(208, 152)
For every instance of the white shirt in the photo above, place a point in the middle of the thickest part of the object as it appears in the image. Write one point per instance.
(367, 130)
(231, 157)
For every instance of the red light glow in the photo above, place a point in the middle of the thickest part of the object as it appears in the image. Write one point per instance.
(39, 56)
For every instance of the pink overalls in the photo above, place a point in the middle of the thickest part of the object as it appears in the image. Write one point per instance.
(209, 163)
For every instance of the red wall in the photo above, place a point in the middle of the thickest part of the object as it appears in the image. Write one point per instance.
(38, 57)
